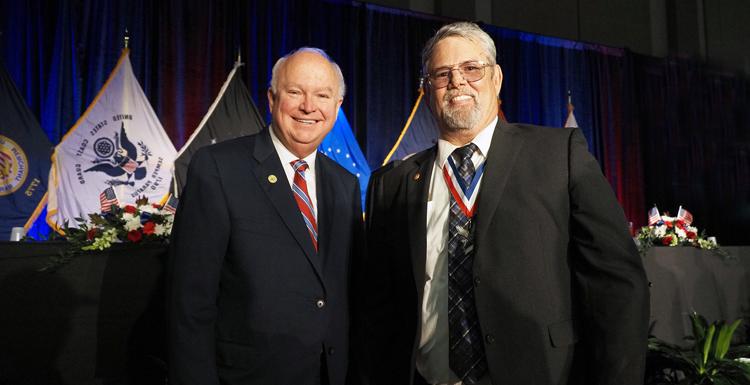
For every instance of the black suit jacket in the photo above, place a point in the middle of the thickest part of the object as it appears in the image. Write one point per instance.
(561, 293)
(250, 301)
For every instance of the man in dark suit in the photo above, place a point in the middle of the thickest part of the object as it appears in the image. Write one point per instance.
(263, 240)
(499, 256)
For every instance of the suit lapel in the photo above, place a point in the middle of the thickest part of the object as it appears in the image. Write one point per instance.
(417, 187)
(326, 190)
(272, 177)
(506, 144)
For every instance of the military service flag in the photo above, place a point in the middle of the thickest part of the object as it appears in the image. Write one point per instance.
(118, 142)
(24, 160)
(232, 114)
(341, 146)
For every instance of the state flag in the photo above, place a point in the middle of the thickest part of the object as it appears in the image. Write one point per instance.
(118, 142)
(419, 133)
(24, 160)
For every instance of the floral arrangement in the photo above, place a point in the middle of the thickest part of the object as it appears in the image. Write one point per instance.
(665, 230)
(135, 223)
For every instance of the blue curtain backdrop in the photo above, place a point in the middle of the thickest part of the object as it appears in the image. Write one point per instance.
(666, 131)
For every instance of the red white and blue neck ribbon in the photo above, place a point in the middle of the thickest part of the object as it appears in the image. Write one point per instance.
(464, 194)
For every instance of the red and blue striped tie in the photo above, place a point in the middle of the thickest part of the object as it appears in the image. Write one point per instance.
(299, 187)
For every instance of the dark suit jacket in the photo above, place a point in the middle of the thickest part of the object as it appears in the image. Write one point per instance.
(561, 293)
(249, 299)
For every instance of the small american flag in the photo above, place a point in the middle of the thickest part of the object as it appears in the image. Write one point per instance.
(653, 216)
(171, 205)
(685, 216)
(108, 198)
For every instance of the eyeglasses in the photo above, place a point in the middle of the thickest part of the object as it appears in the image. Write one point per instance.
(471, 71)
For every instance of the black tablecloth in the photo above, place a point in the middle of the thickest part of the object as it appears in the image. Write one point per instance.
(686, 279)
(99, 320)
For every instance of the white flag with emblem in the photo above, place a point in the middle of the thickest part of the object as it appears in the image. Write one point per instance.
(118, 142)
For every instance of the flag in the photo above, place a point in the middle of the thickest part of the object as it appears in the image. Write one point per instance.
(653, 216)
(171, 204)
(570, 122)
(118, 142)
(232, 114)
(107, 199)
(419, 133)
(341, 146)
(684, 216)
(24, 160)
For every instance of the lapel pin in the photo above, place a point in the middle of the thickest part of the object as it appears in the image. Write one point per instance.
(272, 178)
(417, 176)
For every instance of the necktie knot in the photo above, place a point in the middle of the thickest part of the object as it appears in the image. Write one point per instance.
(462, 157)
(299, 166)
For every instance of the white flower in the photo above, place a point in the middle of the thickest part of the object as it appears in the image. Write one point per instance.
(660, 231)
(159, 229)
(680, 233)
(128, 217)
(148, 209)
(743, 360)
(134, 223)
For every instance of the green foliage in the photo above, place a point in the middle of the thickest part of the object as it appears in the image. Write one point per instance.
(711, 359)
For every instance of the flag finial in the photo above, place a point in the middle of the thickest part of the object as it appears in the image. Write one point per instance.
(126, 38)
(239, 57)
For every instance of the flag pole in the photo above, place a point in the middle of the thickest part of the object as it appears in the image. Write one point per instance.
(126, 38)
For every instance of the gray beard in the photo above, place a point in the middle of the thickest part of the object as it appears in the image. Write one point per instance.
(459, 119)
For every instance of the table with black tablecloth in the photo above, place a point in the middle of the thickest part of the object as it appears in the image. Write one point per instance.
(100, 319)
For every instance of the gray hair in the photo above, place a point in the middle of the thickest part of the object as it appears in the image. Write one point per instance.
(279, 63)
(463, 29)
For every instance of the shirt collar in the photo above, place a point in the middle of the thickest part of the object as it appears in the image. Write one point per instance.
(482, 140)
(287, 157)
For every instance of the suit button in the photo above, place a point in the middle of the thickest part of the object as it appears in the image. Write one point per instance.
(320, 303)
(476, 281)
(331, 351)
(489, 338)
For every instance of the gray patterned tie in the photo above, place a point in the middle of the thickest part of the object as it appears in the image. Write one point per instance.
(466, 357)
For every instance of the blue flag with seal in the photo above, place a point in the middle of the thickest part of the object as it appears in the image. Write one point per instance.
(341, 146)
(24, 160)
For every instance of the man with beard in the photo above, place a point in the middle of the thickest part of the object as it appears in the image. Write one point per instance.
(499, 256)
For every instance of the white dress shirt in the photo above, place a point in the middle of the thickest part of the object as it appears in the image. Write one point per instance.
(287, 157)
(432, 355)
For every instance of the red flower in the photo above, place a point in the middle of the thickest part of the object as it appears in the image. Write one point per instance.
(134, 236)
(666, 240)
(669, 224)
(148, 227)
(91, 234)
(691, 235)
(155, 205)
(130, 209)
(681, 224)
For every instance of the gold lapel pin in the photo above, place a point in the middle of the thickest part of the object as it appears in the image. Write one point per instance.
(272, 178)
(417, 176)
